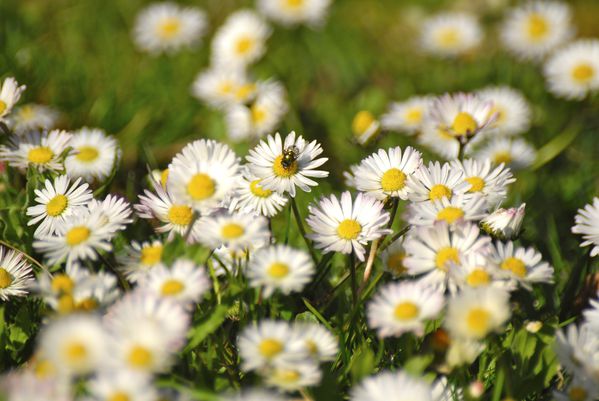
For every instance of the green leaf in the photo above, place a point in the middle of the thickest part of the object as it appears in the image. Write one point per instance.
(317, 314)
(418, 364)
(200, 331)
(362, 363)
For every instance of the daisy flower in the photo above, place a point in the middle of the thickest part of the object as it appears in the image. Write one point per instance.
(241, 40)
(522, 265)
(346, 226)
(115, 211)
(220, 87)
(94, 291)
(515, 153)
(57, 289)
(122, 385)
(512, 110)
(490, 182)
(577, 349)
(392, 386)
(269, 342)
(140, 258)
(203, 174)
(283, 165)
(460, 208)
(10, 93)
(261, 116)
(249, 197)
(280, 267)
(439, 140)
(94, 154)
(167, 27)
(293, 376)
(393, 257)
(184, 282)
(477, 271)
(587, 224)
(407, 116)
(476, 312)
(15, 274)
(33, 117)
(504, 224)
(535, 28)
(436, 181)
(41, 151)
(75, 344)
(573, 72)
(24, 385)
(461, 115)
(385, 174)
(434, 250)
(365, 126)
(403, 307)
(463, 352)
(319, 342)
(236, 231)
(579, 389)
(294, 12)
(450, 34)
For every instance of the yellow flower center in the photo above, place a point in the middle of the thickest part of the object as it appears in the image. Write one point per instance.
(87, 154)
(119, 396)
(577, 394)
(477, 184)
(88, 304)
(66, 304)
(150, 255)
(258, 113)
(225, 87)
(537, 27)
(244, 91)
(464, 124)
(77, 235)
(40, 155)
(172, 287)
(258, 191)
(232, 231)
(514, 265)
(180, 215)
(44, 368)
(75, 352)
(450, 214)
(5, 278)
(287, 375)
(278, 270)
(200, 187)
(395, 263)
(61, 283)
(448, 37)
(169, 28)
(312, 347)
(349, 229)
(57, 205)
(362, 121)
(293, 3)
(3, 107)
(164, 177)
(270, 347)
(504, 157)
(281, 171)
(393, 180)
(414, 115)
(500, 113)
(406, 311)
(439, 191)
(444, 134)
(140, 357)
(478, 278)
(478, 321)
(583, 73)
(244, 45)
(446, 255)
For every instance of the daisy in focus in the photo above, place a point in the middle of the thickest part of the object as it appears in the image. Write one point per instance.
(41, 151)
(403, 307)
(407, 116)
(436, 181)
(15, 274)
(365, 127)
(236, 231)
(522, 265)
(10, 93)
(33, 117)
(294, 12)
(450, 34)
(249, 197)
(512, 110)
(94, 154)
(392, 386)
(114, 210)
(139, 259)
(491, 182)
(167, 27)
(573, 71)
(587, 224)
(535, 28)
(283, 165)
(346, 226)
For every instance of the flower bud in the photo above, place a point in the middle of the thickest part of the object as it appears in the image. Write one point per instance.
(504, 224)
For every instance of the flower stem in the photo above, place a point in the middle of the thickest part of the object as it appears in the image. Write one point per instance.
(300, 226)
(354, 283)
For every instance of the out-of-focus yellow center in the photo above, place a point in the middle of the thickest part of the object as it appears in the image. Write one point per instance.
(448, 37)
(57, 205)
(180, 215)
(478, 278)
(270, 347)
(477, 184)
(258, 191)
(172, 287)
(150, 255)
(395, 263)
(169, 28)
(450, 214)
(258, 113)
(502, 157)
(406, 311)
(5, 278)
(164, 177)
(514, 265)
(44, 368)
(478, 321)
(140, 357)
(393, 180)
(537, 27)
(287, 375)
(3, 107)
(293, 3)
(446, 255)
(278, 270)
(75, 352)
(312, 347)
(119, 396)
(40, 155)
(362, 121)
(61, 283)
(349, 229)
(87, 154)
(232, 231)
(66, 304)
(464, 124)
(583, 73)
(577, 394)
(77, 235)
(244, 45)
(201, 187)
(414, 115)
(281, 171)
(88, 304)
(439, 191)
(245, 91)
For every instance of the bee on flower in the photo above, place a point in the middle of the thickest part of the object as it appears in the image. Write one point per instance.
(450, 34)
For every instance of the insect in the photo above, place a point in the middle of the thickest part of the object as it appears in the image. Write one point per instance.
(290, 155)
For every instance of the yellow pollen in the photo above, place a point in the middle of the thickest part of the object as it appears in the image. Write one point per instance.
(140, 357)
(77, 235)
(478, 321)
(294, 3)
(577, 394)
(406, 311)
(244, 45)
(281, 171)
(439, 191)
(75, 352)
(119, 396)
(477, 184)
(200, 187)
(445, 134)
(504, 157)
(362, 121)
(349, 229)
(464, 124)
(514, 265)
(270, 347)
(258, 191)
(450, 214)
(164, 177)
(446, 255)
(180, 215)
(393, 180)
(414, 116)
(57, 205)
(500, 114)
(287, 375)
(245, 91)
(312, 347)
(44, 368)
(150, 255)
(258, 114)
(5, 278)
(478, 278)
(3, 107)
(66, 304)
(395, 263)
(537, 27)
(583, 73)
(88, 304)
(40, 155)
(448, 37)
(169, 28)
(25, 113)
(61, 283)
(87, 154)
(172, 287)
(278, 270)
(232, 231)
